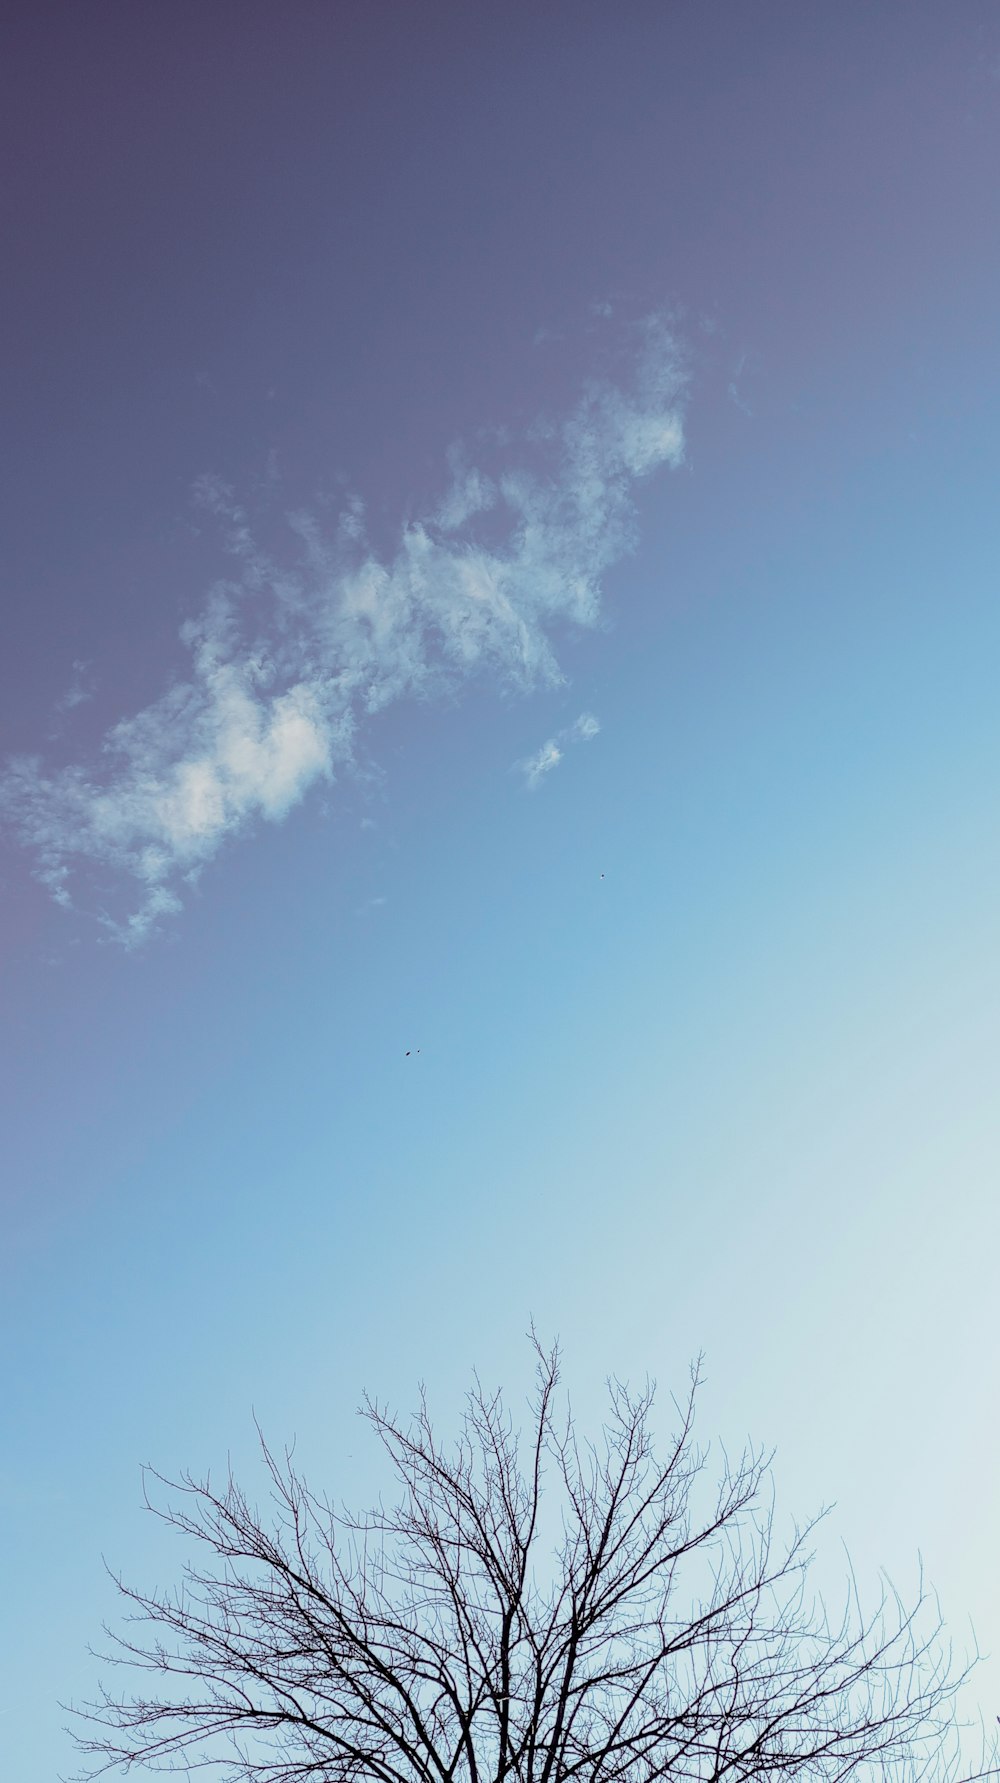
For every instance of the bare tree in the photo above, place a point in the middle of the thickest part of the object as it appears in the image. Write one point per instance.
(542, 1610)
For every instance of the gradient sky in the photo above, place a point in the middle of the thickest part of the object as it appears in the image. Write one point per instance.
(499, 556)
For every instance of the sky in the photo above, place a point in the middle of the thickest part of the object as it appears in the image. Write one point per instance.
(499, 746)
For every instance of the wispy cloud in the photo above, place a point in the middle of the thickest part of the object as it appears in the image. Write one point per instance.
(79, 691)
(734, 388)
(287, 660)
(535, 767)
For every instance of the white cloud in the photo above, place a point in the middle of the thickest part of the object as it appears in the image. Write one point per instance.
(287, 661)
(541, 763)
(470, 493)
(79, 691)
(535, 767)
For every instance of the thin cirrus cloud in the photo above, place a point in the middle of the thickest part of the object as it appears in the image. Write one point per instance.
(288, 661)
(535, 767)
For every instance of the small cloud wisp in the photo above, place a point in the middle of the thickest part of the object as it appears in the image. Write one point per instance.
(536, 766)
(287, 661)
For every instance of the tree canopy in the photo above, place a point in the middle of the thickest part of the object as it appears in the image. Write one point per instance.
(537, 1607)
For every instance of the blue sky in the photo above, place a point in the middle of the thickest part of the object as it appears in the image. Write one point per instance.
(525, 485)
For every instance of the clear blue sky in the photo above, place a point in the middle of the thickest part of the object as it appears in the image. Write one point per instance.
(499, 551)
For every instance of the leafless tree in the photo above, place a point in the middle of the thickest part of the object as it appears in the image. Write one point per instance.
(541, 1609)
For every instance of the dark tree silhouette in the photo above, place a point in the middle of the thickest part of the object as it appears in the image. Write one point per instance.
(543, 1610)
